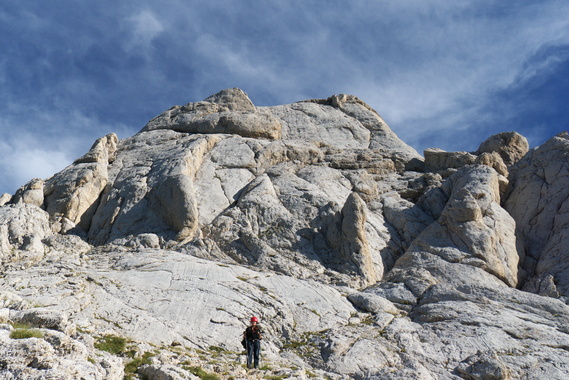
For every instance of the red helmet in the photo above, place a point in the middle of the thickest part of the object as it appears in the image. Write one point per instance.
(254, 319)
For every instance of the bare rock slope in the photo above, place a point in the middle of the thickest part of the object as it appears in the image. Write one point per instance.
(146, 257)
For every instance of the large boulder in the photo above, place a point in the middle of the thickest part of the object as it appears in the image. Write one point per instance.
(22, 228)
(511, 146)
(439, 160)
(31, 193)
(229, 111)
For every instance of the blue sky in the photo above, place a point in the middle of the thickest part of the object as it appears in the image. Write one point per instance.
(445, 74)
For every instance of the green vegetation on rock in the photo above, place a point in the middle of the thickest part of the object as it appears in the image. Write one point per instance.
(112, 344)
(25, 332)
(199, 372)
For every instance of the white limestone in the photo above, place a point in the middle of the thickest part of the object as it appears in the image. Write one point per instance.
(361, 258)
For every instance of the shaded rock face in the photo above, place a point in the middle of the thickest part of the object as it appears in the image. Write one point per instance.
(538, 199)
(362, 258)
(472, 229)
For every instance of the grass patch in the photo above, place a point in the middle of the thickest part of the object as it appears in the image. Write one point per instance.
(304, 347)
(25, 332)
(368, 320)
(116, 324)
(112, 344)
(295, 344)
(122, 347)
(136, 363)
(199, 372)
(219, 350)
(307, 346)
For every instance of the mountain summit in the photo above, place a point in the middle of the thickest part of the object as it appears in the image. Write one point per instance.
(362, 258)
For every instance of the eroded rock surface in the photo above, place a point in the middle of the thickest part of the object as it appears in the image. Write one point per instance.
(362, 259)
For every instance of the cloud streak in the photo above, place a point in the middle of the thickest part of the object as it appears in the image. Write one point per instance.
(443, 74)
(144, 28)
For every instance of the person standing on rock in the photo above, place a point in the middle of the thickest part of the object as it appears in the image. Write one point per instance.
(253, 335)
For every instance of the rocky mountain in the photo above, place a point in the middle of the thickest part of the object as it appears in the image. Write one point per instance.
(147, 256)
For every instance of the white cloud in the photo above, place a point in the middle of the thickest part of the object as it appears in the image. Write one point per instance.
(144, 27)
(45, 142)
(27, 159)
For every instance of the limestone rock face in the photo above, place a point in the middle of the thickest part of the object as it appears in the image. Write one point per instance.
(438, 159)
(52, 357)
(151, 187)
(472, 240)
(361, 258)
(355, 247)
(72, 194)
(538, 199)
(31, 193)
(22, 228)
(187, 175)
(5, 198)
(229, 111)
(511, 146)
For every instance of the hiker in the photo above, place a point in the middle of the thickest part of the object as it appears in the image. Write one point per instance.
(252, 336)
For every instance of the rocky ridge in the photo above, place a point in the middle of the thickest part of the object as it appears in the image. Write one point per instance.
(363, 259)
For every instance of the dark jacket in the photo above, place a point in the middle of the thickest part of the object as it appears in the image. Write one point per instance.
(253, 333)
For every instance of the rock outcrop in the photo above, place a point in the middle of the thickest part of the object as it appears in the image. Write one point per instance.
(146, 256)
(72, 195)
(538, 199)
(229, 111)
(22, 229)
(511, 146)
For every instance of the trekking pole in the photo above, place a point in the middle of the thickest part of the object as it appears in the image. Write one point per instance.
(246, 351)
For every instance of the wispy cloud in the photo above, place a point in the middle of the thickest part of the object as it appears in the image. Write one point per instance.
(46, 143)
(459, 62)
(442, 73)
(144, 28)
(27, 159)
